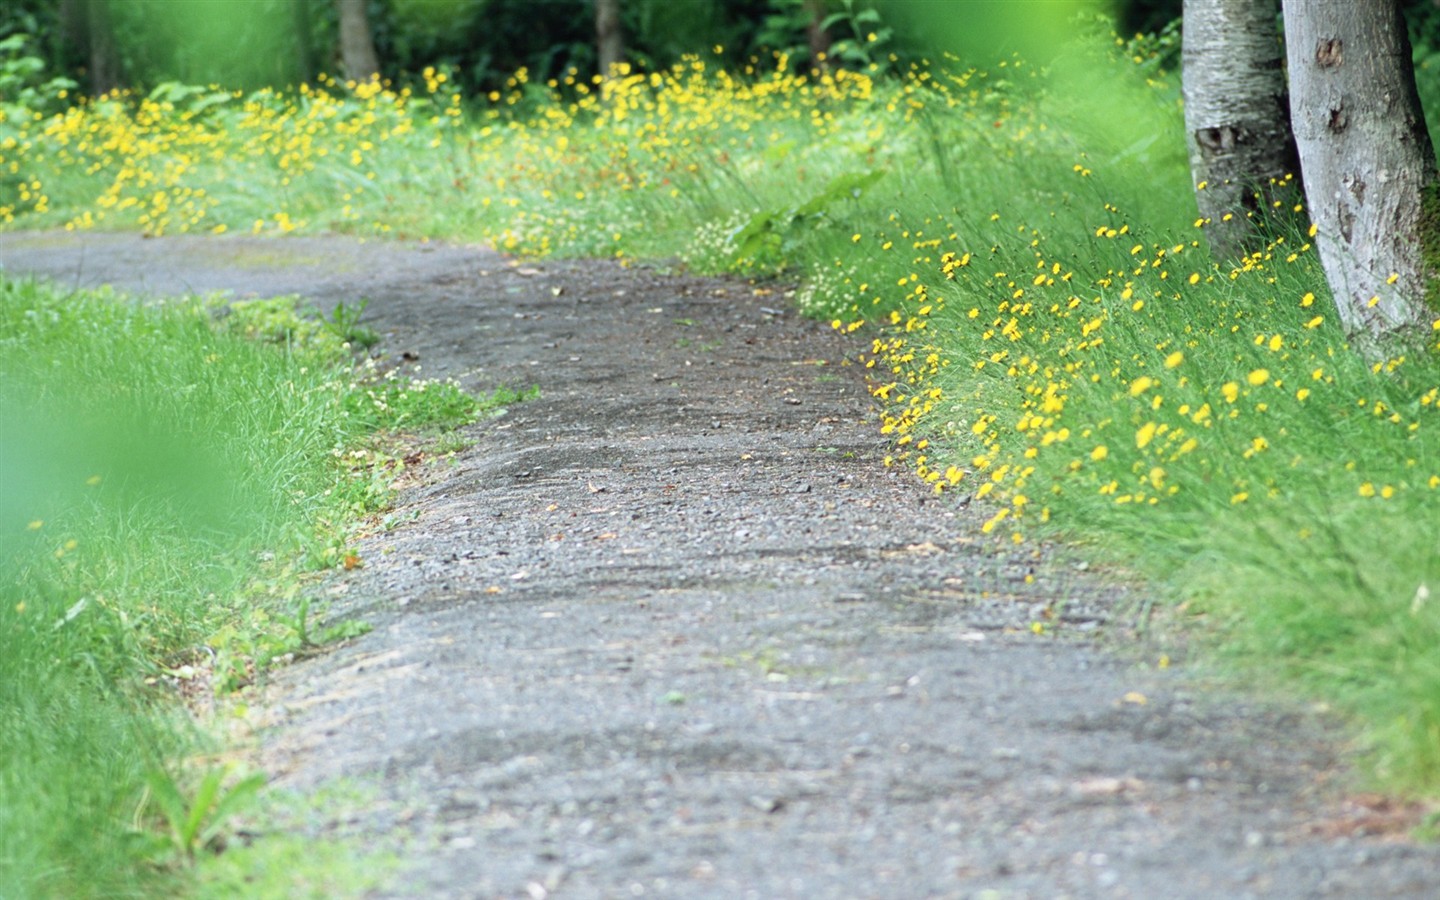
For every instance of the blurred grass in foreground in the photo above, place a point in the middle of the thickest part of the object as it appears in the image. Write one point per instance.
(149, 457)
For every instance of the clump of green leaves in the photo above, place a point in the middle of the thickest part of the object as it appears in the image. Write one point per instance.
(344, 323)
(284, 320)
(194, 819)
(770, 238)
(25, 88)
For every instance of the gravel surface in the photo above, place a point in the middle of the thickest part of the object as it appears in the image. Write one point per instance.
(673, 630)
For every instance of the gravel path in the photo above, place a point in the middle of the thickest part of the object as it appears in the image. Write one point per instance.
(672, 630)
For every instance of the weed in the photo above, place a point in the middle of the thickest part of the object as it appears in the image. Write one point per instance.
(301, 638)
(195, 820)
(344, 323)
(447, 445)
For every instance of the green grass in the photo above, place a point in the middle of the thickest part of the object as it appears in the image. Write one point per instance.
(1047, 330)
(309, 847)
(150, 457)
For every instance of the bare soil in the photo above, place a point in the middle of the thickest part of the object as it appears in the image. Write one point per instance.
(673, 630)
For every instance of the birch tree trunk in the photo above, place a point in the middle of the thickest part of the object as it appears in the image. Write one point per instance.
(1237, 121)
(1370, 177)
(357, 44)
(609, 37)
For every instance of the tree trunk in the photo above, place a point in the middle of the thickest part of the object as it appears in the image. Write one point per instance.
(609, 36)
(815, 33)
(101, 49)
(357, 45)
(1370, 177)
(1237, 123)
(73, 20)
(304, 40)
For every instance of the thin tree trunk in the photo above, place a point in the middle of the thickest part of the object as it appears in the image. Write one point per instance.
(609, 36)
(1237, 122)
(102, 51)
(357, 45)
(815, 33)
(1370, 177)
(304, 40)
(74, 28)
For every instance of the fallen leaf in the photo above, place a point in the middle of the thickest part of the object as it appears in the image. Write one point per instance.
(925, 548)
(1103, 786)
(1136, 698)
(351, 561)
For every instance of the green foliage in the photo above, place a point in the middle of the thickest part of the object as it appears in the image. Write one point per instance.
(1424, 25)
(289, 322)
(189, 98)
(310, 848)
(767, 240)
(269, 637)
(782, 30)
(280, 320)
(863, 40)
(132, 514)
(303, 637)
(344, 323)
(1157, 52)
(237, 45)
(390, 402)
(193, 820)
(25, 88)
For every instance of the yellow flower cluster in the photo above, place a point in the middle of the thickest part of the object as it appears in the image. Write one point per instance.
(186, 159)
(1134, 383)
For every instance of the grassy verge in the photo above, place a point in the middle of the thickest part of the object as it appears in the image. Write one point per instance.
(154, 460)
(1053, 336)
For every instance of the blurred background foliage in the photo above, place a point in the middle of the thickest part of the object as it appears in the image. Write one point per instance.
(102, 44)
(53, 50)
(97, 45)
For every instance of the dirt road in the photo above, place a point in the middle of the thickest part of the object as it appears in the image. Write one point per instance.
(673, 630)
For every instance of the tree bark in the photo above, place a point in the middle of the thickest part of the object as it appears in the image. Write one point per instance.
(609, 36)
(1370, 177)
(816, 35)
(1237, 121)
(72, 17)
(357, 44)
(304, 40)
(101, 48)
